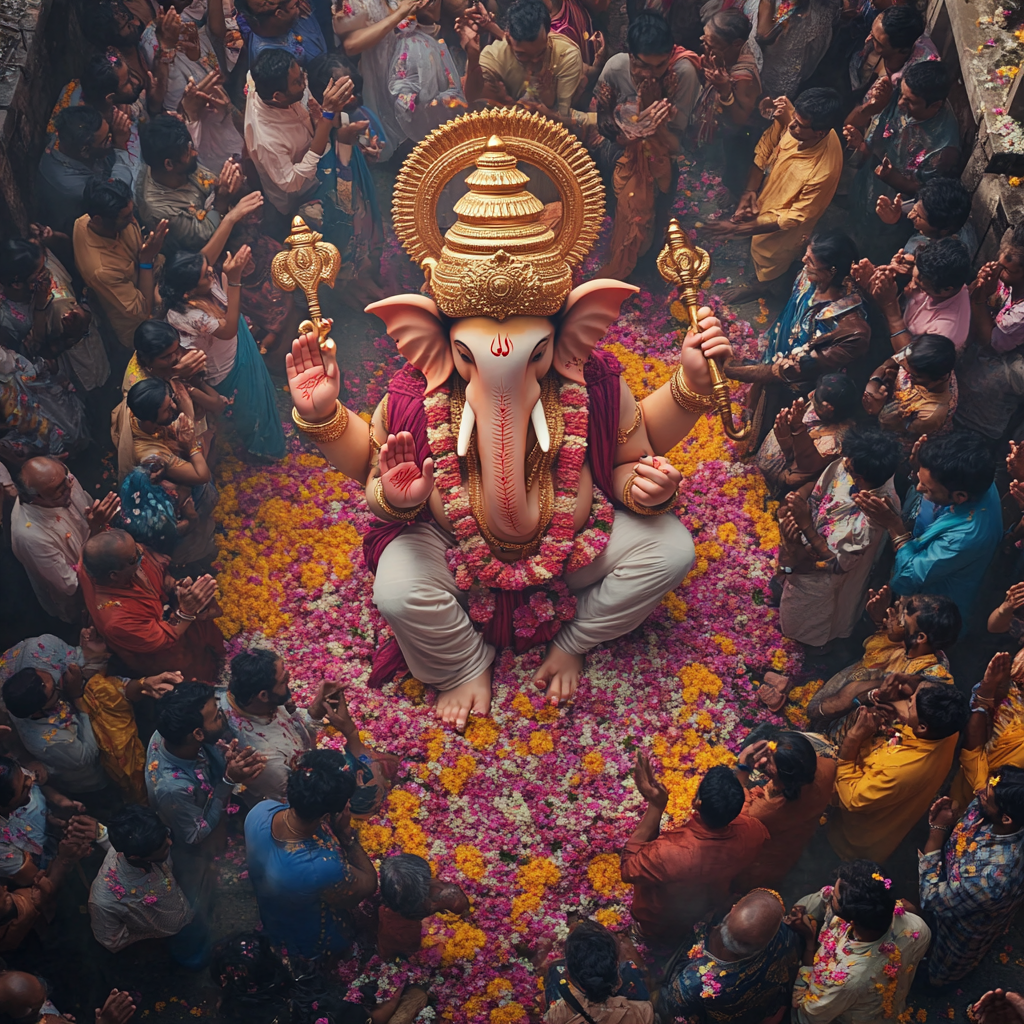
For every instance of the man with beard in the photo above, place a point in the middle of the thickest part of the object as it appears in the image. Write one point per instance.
(107, 85)
(189, 777)
(196, 204)
(973, 881)
(112, 258)
(262, 716)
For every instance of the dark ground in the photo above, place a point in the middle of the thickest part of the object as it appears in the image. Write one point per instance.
(81, 972)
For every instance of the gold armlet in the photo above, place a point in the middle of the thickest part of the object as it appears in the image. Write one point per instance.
(384, 419)
(402, 515)
(327, 430)
(643, 510)
(687, 400)
(624, 435)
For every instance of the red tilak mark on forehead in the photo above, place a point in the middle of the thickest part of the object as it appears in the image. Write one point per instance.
(501, 346)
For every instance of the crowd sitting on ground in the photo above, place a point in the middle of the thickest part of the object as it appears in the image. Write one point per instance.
(885, 396)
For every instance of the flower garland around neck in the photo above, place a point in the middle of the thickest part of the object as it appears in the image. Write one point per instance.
(710, 986)
(561, 551)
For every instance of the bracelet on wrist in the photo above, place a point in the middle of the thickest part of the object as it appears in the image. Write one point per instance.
(939, 828)
(402, 515)
(184, 616)
(327, 430)
(645, 510)
(327, 115)
(233, 284)
(687, 399)
(145, 266)
(741, 767)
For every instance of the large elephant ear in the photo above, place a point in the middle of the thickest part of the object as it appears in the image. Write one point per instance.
(415, 323)
(588, 312)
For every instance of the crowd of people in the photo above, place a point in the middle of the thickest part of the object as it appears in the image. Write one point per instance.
(887, 393)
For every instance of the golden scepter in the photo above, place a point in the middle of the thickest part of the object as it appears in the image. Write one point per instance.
(681, 263)
(306, 262)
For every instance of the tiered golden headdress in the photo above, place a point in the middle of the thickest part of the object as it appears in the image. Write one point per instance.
(499, 259)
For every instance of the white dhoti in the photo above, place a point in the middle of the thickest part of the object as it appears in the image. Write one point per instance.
(416, 593)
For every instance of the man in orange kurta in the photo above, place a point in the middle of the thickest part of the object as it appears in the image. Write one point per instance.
(682, 874)
(124, 590)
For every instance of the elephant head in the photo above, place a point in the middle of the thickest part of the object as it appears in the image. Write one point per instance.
(502, 363)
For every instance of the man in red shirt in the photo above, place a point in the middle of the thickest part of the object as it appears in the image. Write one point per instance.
(681, 875)
(125, 592)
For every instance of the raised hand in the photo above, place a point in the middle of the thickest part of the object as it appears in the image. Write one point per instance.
(94, 647)
(883, 285)
(854, 139)
(915, 462)
(234, 265)
(798, 508)
(168, 28)
(789, 529)
(405, 483)
(862, 271)
(889, 211)
(802, 924)
(878, 604)
(710, 343)
(100, 513)
(154, 242)
(878, 95)
(242, 765)
(943, 813)
(656, 481)
(159, 685)
(796, 414)
(245, 206)
(338, 94)
(714, 73)
(1017, 492)
(986, 283)
(313, 379)
(230, 180)
(348, 134)
(120, 128)
(647, 783)
(996, 681)
(190, 362)
(884, 169)
(194, 597)
(903, 262)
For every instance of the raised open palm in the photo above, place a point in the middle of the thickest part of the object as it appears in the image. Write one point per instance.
(405, 483)
(313, 379)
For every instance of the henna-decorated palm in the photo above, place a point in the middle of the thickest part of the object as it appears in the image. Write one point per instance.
(313, 379)
(405, 483)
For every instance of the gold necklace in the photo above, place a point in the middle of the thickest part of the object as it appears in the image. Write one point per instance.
(538, 465)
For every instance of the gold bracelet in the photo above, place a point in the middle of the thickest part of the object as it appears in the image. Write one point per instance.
(624, 435)
(402, 515)
(687, 400)
(328, 430)
(644, 510)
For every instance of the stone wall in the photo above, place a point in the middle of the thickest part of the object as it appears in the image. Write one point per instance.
(48, 56)
(953, 26)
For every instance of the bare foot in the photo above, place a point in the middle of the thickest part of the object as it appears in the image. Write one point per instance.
(773, 691)
(560, 673)
(454, 706)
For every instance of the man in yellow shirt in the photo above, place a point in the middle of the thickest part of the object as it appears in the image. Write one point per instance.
(531, 66)
(797, 165)
(885, 784)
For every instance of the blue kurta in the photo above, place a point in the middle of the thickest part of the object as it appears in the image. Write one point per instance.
(950, 555)
(298, 885)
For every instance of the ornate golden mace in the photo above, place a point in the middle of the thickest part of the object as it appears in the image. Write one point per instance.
(681, 263)
(306, 262)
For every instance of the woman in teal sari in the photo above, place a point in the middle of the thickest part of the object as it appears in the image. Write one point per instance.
(822, 330)
(206, 312)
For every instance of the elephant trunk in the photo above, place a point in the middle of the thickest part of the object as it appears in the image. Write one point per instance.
(502, 423)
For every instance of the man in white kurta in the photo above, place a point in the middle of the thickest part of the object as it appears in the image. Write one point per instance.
(852, 981)
(50, 523)
(135, 895)
(826, 585)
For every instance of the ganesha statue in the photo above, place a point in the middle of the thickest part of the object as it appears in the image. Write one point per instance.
(521, 491)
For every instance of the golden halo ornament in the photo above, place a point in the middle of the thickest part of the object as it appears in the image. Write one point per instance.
(498, 259)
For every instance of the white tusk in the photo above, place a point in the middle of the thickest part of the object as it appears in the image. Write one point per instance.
(540, 426)
(465, 430)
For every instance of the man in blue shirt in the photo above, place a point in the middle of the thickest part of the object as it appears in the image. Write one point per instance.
(959, 524)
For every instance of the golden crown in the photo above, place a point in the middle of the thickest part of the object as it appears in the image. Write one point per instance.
(499, 259)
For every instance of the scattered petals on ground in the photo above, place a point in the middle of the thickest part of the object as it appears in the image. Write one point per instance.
(528, 809)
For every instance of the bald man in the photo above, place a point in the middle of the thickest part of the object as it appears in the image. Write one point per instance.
(125, 591)
(741, 969)
(51, 521)
(23, 999)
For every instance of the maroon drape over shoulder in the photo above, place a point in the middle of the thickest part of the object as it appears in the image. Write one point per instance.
(405, 412)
